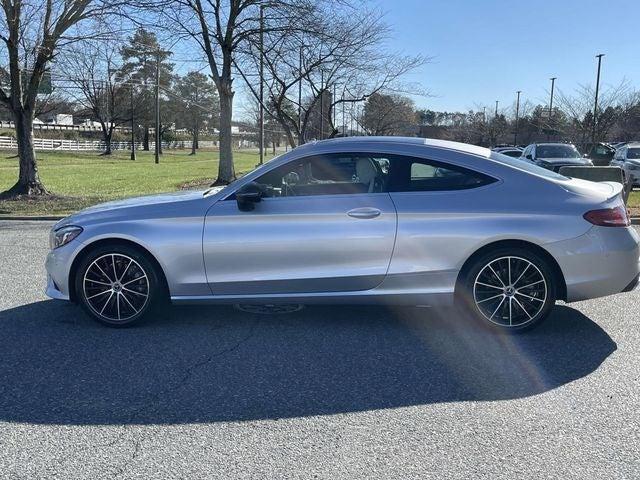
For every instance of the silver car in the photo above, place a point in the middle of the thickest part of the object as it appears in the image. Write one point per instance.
(357, 220)
(627, 157)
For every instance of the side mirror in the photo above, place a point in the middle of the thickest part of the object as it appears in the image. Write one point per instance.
(528, 156)
(248, 196)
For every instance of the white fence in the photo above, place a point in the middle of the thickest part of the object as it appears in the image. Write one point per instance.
(9, 143)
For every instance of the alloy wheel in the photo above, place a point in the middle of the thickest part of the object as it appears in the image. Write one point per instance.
(116, 287)
(510, 291)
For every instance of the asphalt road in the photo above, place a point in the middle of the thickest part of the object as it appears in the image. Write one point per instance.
(328, 392)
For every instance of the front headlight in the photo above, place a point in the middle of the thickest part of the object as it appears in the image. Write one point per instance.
(63, 235)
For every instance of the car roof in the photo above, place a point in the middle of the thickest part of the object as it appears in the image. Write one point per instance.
(362, 141)
(633, 145)
(554, 144)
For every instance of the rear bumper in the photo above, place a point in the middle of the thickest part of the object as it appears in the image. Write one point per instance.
(601, 262)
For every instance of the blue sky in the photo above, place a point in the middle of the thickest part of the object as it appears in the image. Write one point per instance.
(486, 50)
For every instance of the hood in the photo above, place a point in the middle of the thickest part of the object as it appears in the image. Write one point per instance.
(130, 207)
(565, 161)
(145, 200)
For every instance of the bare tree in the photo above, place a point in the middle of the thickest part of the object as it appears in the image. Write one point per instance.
(334, 59)
(389, 115)
(578, 108)
(32, 31)
(94, 83)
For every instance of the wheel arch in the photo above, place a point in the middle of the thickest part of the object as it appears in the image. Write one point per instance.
(560, 284)
(112, 241)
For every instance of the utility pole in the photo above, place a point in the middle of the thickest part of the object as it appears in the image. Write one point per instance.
(261, 114)
(595, 104)
(344, 118)
(133, 129)
(321, 104)
(553, 82)
(300, 97)
(515, 134)
(496, 114)
(158, 136)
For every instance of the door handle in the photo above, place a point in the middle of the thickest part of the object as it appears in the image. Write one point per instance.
(365, 212)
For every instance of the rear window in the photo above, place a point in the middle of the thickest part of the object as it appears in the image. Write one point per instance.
(526, 166)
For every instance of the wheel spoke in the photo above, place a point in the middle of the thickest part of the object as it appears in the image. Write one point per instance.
(510, 311)
(531, 284)
(98, 294)
(125, 270)
(100, 283)
(509, 268)
(522, 274)
(522, 308)
(489, 286)
(134, 280)
(490, 298)
(530, 297)
(497, 276)
(497, 308)
(130, 304)
(118, 304)
(107, 302)
(103, 272)
(133, 291)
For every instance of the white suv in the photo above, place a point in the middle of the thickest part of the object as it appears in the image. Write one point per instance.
(627, 157)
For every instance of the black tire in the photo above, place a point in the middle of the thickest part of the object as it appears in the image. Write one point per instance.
(486, 295)
(130, 298)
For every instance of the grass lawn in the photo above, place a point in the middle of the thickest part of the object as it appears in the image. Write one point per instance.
(80, 179)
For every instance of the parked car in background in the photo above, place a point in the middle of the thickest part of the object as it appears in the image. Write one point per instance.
(628, 158)
(379, 220)
(600, 153)
(509, 151)
(554, 156)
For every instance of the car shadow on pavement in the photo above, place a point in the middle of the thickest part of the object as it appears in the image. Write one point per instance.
(211, 364)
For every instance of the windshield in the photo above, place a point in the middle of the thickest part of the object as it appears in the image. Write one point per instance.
(557, 151)
(633, 153)
(212, 190)
(526, 166)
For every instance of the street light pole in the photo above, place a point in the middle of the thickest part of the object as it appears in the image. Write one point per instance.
(515, 134)
(300, 97)
(261, 107)
(595, 104)
(553, 82)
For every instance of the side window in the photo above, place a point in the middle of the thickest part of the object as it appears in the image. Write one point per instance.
(334, 174)
(420, 175)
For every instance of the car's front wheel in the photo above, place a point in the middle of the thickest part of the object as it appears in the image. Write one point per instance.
(510, 289)
(117, 285)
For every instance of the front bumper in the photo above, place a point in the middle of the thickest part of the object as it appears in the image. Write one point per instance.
(58, 265)
(603, 261)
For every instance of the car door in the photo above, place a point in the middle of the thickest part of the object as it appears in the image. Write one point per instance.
(325, 224)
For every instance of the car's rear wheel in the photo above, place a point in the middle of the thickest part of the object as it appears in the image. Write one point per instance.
(117, 285)
(509, 289)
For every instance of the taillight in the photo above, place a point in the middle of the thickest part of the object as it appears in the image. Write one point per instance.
(609, 217)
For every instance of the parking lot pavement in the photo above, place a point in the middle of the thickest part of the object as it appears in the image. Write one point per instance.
(327, 392)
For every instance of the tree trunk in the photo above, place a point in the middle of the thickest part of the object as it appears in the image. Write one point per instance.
(145, 140)
(28, 179)
(194, 141)
(107, 134)
(226, 171)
